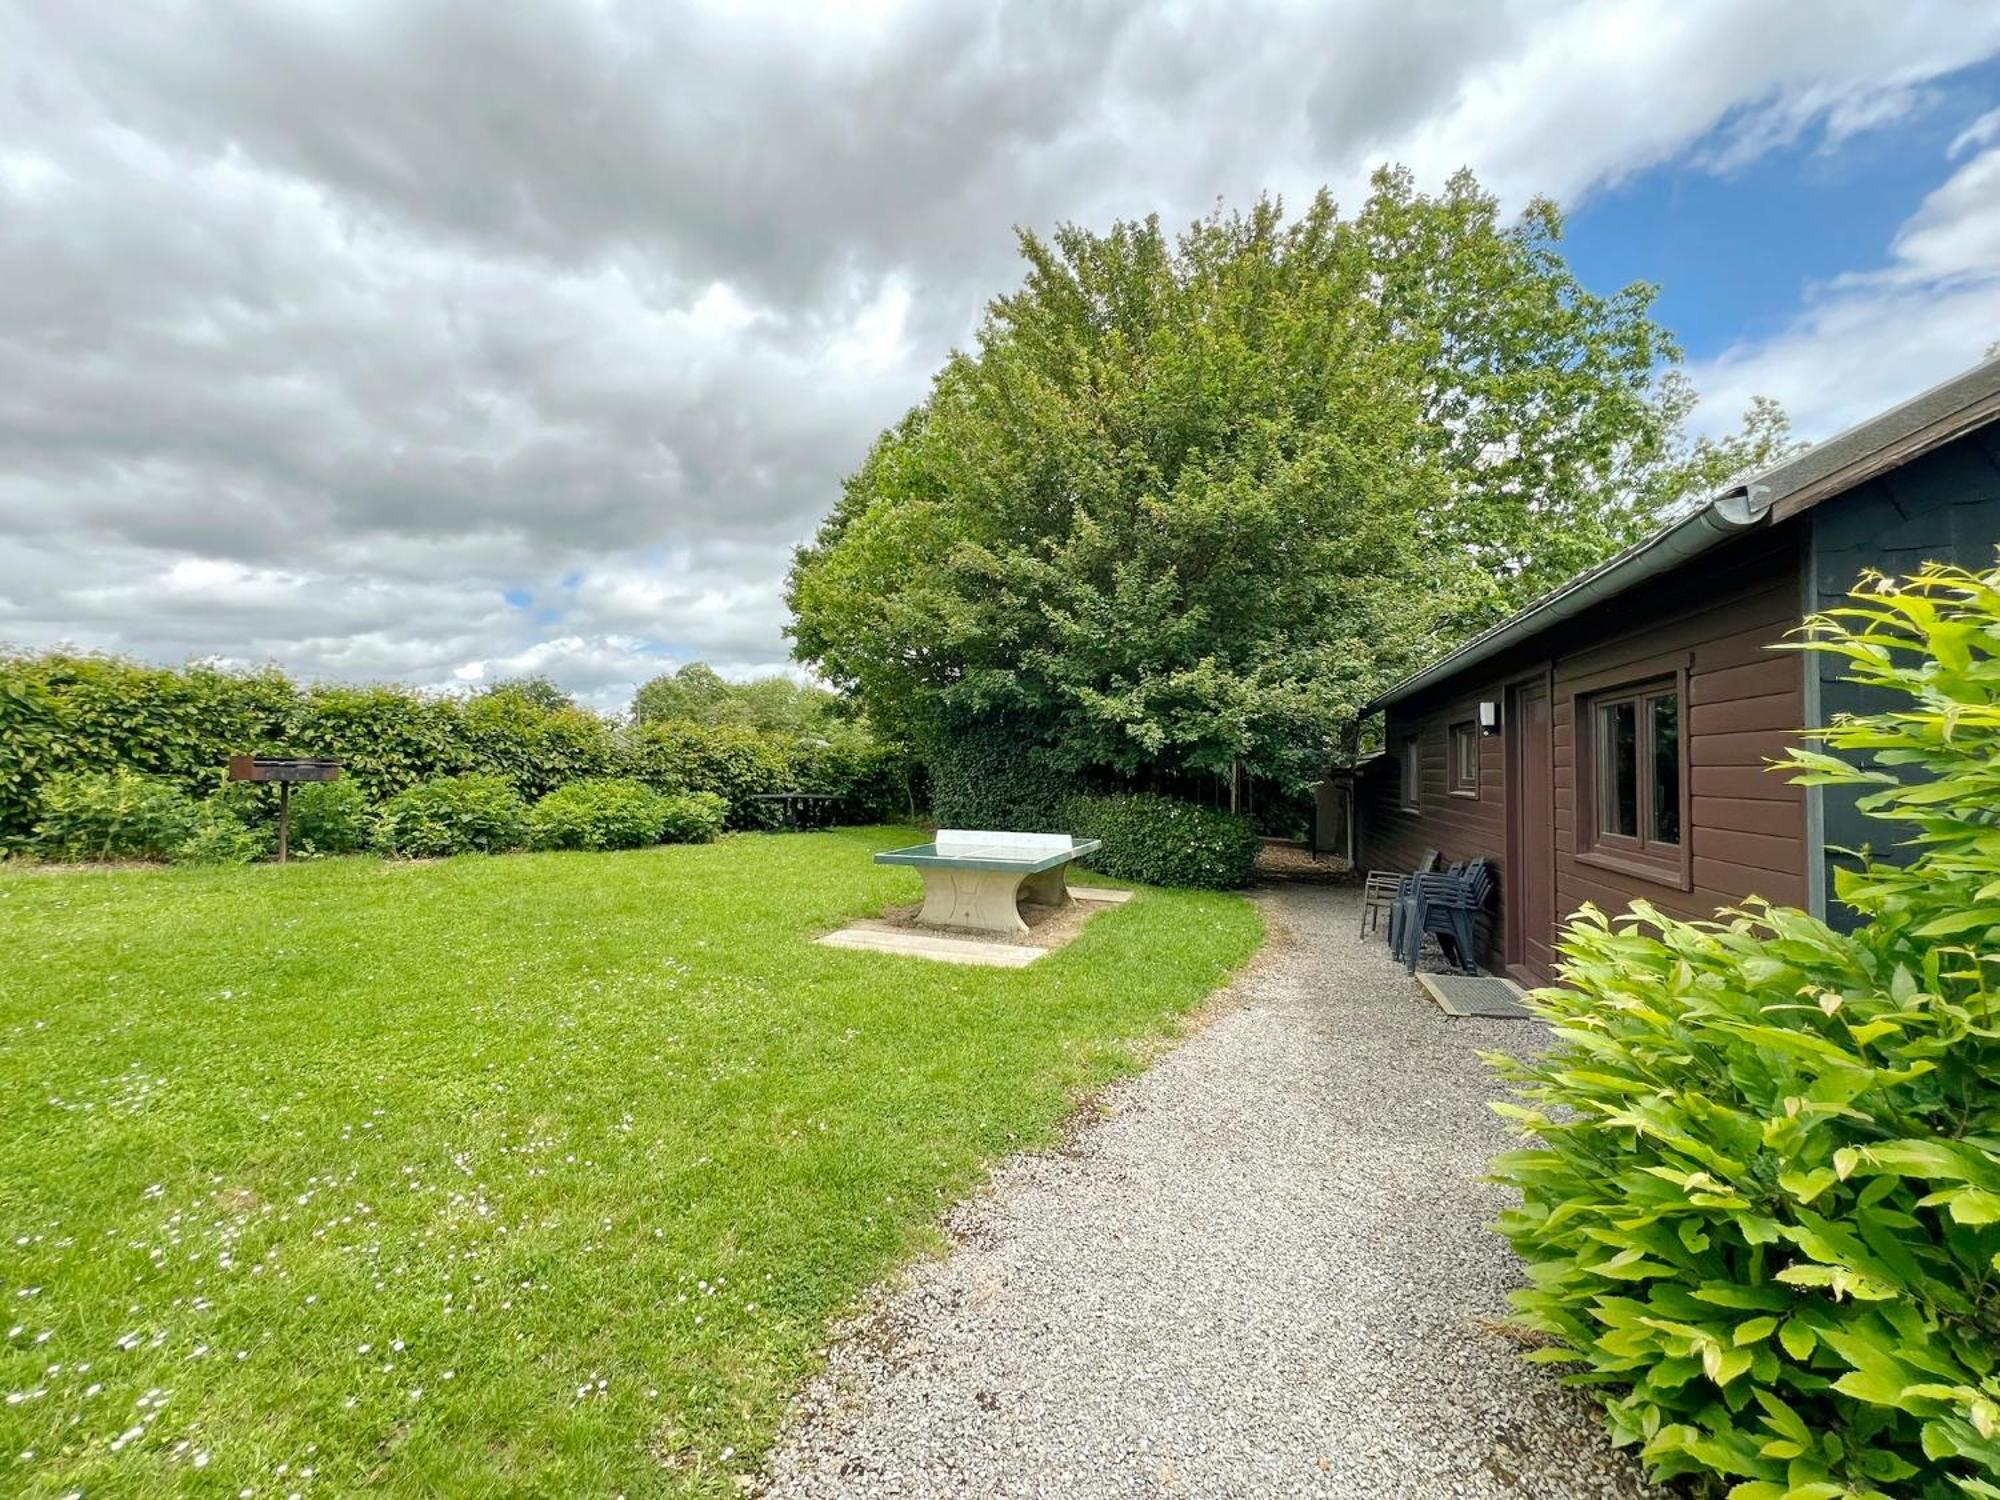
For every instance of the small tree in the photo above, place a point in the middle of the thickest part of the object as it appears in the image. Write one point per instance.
(1762, 1204)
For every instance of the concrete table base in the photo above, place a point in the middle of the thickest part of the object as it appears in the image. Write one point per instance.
(988, 900)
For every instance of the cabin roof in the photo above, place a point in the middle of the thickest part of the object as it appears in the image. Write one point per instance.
(1770, 495)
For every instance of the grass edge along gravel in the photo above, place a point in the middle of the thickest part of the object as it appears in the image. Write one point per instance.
(533, 1174)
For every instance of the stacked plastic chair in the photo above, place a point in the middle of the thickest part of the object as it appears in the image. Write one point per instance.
(1448, 904)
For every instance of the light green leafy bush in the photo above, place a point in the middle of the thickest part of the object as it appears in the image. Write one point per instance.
(733, 761)
(1761, 1209)
(219, 834)
(331, 817)
(1164, 841)
(100, 815)
(691, 817)
(478, 813)
(607, 813)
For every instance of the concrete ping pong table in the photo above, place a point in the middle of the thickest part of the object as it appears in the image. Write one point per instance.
(978, 880)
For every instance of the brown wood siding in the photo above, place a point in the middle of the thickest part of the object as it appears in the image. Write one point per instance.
(1745, 829)
(1457, 826)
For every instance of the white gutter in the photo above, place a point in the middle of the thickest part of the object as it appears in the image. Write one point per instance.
(1717, 521)
(1926, 421)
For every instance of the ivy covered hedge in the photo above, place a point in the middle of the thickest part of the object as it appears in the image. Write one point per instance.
(63, 713)
(991, 779)
(1761, 1207)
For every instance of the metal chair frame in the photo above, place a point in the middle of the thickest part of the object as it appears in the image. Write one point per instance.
(1379, 892)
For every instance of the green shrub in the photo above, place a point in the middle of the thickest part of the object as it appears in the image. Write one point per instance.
(65, 712)
(478, 813)
(871, 779)
(388, 737)
(218, 834)
(609, 813)
(734, 762)
(98, 815)
(988, 779)
(61, 712)
(331, 817)
(536, 745)
(1164, 841)
(1761, 1206)
(691, 818)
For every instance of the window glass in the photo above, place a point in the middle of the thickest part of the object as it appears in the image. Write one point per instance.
(1409, 772)
(1666, 750)
(1464, 758)
(1618, 768)
(1632, 739)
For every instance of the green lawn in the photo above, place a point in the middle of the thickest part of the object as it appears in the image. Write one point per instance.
(535, 1175)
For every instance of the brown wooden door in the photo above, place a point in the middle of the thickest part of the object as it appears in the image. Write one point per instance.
(1529, 893)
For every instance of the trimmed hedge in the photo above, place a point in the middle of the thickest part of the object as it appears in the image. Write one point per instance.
(1761, 1195)
(478, 813)
(1164, 841)
(63, 713)
(986, 780)
(733, 762)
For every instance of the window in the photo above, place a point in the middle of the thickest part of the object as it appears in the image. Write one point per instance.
(1407, 770)
(1465, 759)
(1632, 738)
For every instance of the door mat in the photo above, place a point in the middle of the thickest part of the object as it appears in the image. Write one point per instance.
(1476, 995)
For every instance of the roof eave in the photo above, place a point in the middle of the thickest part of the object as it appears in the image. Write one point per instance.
(1785, 489)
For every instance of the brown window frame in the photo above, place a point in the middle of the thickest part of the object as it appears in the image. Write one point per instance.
(1458, 737)
(1640, 853)
(1410, 774)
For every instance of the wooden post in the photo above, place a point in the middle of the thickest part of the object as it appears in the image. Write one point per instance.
(284, 821)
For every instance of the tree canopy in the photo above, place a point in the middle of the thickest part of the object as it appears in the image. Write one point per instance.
(698, 694)
(540, 690)
(1191, 499)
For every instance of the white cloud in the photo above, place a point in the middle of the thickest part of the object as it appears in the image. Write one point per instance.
(328, 330)
(1869, 339)
(1982, 131)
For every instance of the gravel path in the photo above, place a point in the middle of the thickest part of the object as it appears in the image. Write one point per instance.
(1265, 1271)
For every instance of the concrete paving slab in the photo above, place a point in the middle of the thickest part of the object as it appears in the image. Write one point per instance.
(1099, 894)
(943, 949)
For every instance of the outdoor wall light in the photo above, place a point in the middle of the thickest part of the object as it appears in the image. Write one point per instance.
(1489, 718)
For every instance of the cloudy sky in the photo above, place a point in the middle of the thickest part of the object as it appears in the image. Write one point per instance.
(434, 341)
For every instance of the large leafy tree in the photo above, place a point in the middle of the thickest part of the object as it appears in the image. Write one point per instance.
(1558, 415)
(1191, 499)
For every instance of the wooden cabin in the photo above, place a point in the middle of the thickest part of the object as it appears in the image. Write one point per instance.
(1609, 742)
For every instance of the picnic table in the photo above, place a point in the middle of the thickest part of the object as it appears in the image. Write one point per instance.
(978, 880)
